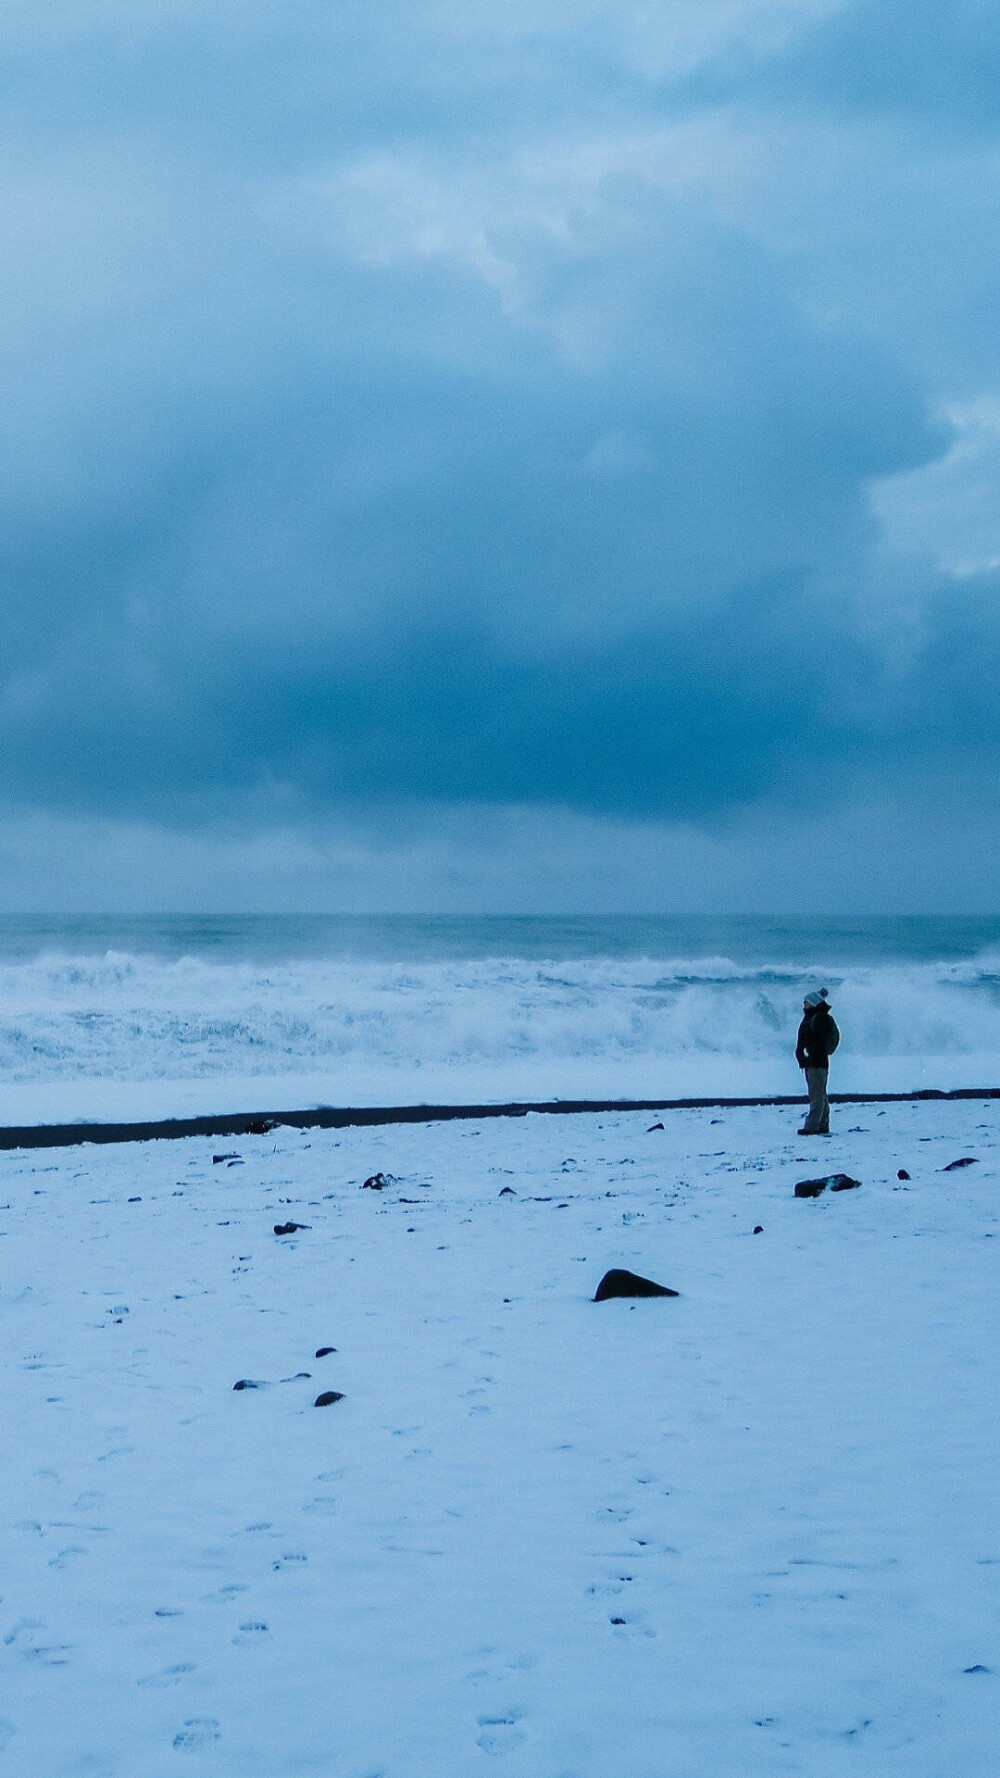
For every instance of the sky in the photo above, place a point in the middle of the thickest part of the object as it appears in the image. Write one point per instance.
(500, 457)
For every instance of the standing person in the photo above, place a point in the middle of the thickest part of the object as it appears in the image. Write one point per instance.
(818, 1038)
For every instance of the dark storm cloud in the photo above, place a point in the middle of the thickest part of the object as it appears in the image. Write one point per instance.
(358, 445)
(934, 59)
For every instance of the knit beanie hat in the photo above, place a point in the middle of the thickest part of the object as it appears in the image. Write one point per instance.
(818, 998)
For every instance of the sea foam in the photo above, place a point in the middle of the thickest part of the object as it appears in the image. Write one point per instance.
(131, 1016)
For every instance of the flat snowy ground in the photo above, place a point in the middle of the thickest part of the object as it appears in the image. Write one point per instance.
(754, 1530)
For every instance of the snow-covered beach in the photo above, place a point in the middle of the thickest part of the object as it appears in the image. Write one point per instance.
(752, 1529)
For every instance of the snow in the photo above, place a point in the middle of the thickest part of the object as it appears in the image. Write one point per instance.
(782, 1483)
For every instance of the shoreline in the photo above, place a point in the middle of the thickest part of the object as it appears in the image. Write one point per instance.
(262, 1123)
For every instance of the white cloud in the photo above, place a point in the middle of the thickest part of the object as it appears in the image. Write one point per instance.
(949, 510)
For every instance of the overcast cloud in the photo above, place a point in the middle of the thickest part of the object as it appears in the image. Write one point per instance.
(443, 443)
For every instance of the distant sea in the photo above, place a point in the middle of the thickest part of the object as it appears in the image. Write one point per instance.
(343, 1008)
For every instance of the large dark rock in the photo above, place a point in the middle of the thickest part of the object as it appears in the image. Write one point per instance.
(289, 1228)
(618, 1282)
(838, 1182)
(967, 1160)
(327, 1399)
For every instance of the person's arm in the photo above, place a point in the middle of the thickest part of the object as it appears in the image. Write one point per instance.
(800, 1054)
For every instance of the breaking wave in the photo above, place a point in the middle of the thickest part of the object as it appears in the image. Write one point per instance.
(129, 1016)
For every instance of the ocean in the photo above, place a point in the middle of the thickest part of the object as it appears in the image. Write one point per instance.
(229, 1012)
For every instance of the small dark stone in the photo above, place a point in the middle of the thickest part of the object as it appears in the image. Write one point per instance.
(377, 1182)
(135, 1200)
(653, 1127)
(507, 1191)
(759, 1229)
(902, 1173)
(248, 1383)
(842, 1182)
(967, 1160)
(290, 1228)
(327, 1399)
(217, 1158)
(324, 1351)
(619, 1282)
(810, 1188)
(978, 1668)
(617, 1620)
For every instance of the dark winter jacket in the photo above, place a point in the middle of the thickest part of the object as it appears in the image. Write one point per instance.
(818, 1038)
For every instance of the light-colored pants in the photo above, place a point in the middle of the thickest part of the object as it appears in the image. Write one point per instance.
(818, 1121)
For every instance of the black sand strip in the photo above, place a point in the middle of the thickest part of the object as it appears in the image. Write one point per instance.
(326, 1117)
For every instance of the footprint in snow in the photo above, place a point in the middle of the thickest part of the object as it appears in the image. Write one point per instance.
(62, 1560)
(198, 1732)
(250, 1634)
(633, 1625)
(167, 1675)
(499, 1733)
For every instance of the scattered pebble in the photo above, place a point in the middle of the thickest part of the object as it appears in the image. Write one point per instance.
(327, 1398)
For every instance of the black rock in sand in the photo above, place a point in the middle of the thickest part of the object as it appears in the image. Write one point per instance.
(618, 1282)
